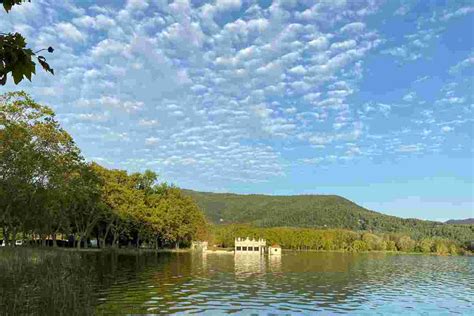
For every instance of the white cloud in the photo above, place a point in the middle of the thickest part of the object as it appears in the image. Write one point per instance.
(228, 4)
(148, 123)
(459, 12)
(152, 140)
(223, 86)
(410, 148)
(108, 47)
(136, 5)
(354, 27)
(465, 63)
(447, 129)
(409, 97)
(69, 32)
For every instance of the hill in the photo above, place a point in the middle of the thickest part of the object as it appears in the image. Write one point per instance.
(317, 211)
(467, 221)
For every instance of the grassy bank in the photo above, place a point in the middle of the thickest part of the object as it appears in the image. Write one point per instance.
(59, 282)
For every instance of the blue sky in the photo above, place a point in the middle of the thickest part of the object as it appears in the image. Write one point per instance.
(371, 100)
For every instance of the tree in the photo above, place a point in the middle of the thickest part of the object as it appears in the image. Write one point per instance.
(425, 245)
(405, 243)
(124, 203)
(84, 201)
(15, 57)
(373, 242)
(175, 217)
(35, 155)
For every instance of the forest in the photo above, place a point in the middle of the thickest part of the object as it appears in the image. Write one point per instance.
(306, 239)
(49, 193)
(319, 211)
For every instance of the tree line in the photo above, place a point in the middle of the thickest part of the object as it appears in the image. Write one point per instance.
(319, 211)
(336, 240)
(47, 189)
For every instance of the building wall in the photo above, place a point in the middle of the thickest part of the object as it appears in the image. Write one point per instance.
(274, 250)
(248, 245)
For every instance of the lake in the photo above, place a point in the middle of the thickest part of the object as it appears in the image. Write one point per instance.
(66, 282)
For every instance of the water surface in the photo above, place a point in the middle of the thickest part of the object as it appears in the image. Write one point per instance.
(295, 283)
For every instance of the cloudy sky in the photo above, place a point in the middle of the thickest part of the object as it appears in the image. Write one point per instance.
(371, 100)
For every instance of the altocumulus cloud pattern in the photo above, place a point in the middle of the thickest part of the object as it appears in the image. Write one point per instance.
(228, 94)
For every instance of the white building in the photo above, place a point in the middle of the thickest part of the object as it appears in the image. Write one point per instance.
(247, 245)
(274, 250)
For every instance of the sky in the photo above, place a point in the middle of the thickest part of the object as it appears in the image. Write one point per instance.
(370, 100)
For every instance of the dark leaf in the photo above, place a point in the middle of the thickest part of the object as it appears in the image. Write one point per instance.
(44, 64)
(17, 74)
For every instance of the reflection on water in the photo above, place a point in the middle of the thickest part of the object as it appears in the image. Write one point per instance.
(274, 262)
(249, 264)
(294, 283)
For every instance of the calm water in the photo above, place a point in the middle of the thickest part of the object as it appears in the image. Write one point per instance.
(295, 283)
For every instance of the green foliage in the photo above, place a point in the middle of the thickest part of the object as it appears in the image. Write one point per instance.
(360, 245)
(405, 243)
(318, 211)
(47, 189)
(36, 157)
(328, 239)
(15, 58)
(425, 245)
(391, 246)
(373, 242)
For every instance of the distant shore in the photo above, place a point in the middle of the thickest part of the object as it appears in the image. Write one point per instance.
(222, 251)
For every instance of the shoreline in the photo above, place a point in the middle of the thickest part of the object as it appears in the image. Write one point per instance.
(226, 251)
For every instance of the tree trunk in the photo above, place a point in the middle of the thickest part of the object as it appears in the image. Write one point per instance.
(5, 236)
(85, 243)
(14, 237)
(138, 241)
(177, 245)
(53, 236)
(107, 230)
(99, 245)
(78, 240)
(114, 240)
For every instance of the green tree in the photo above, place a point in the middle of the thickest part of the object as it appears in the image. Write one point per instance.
(84, 202)
(373, 242)
(360, 245)
(405, 243)
(425, 245)
(123, 201)
(35, 152)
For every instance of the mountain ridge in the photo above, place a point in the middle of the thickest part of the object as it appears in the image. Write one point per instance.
(316, 211)
(465, 221)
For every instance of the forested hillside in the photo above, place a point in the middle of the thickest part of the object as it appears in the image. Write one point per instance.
(467, 221)
(318, 211)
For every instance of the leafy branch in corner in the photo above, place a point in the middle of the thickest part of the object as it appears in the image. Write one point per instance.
(15, 57)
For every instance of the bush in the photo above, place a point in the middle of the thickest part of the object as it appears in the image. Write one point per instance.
(453, 250)
(425, 246)
(360, 245)
(391, 246)
(405, 243)
(441, 248)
